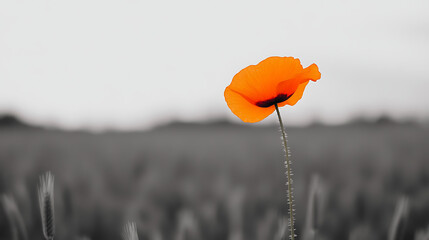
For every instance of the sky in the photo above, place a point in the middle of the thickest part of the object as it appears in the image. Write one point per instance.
(136, 64)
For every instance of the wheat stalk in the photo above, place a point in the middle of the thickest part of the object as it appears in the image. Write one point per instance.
(310, 227)
(422, 234)
(46, 203)
(130, 232)
(399, 219)
(187, 226)
(282, 229)
(14, 217)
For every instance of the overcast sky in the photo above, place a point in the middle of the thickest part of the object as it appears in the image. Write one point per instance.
(128, 64)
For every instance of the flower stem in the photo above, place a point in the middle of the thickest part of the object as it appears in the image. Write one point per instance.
(289, 177)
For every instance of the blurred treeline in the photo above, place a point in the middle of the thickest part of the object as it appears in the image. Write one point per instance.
(217, 181)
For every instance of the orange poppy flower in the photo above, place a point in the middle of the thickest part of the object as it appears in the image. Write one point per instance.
(255, 90)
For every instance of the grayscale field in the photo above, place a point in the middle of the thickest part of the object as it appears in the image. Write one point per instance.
(218, 181)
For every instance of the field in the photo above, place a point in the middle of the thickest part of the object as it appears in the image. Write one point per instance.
(218, 181)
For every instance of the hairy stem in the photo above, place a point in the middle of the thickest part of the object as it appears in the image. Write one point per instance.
(289, 177)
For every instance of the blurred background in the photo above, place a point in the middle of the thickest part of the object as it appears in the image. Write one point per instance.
(123, 102)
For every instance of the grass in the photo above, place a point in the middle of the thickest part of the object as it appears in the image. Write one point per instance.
(219, 181)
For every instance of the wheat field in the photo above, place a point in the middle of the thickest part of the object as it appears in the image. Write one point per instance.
(219, 181)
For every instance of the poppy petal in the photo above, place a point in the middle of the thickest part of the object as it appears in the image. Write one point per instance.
(259, 82)
(310, 73)
(245, 110)
(296, 86)
(288, 87)
(296, 96)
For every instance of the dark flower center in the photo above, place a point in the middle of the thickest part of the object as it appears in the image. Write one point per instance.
(270, 102)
